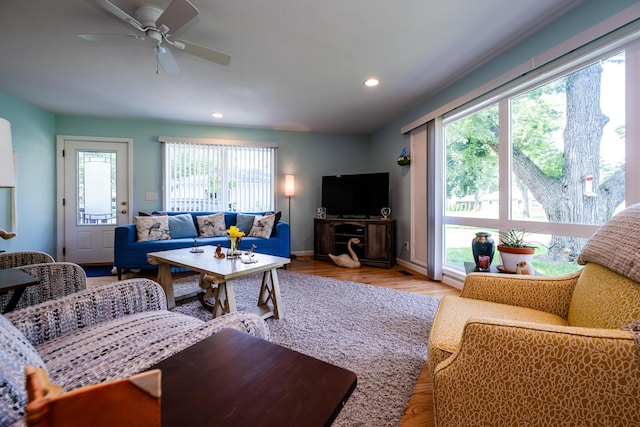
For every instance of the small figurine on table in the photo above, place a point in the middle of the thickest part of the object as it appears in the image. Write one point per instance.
(248, 257)
(219, 253)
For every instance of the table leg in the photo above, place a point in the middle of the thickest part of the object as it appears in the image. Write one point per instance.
(270, 292)
(166, 281)
(13, 301)
(224, 297)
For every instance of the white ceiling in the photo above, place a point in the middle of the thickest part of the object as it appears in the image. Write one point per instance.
(295, 64)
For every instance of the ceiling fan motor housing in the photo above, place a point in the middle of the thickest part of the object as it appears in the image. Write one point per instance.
(148, 15)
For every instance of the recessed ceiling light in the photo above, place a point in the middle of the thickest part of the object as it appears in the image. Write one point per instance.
(371, 82)
(216, 115)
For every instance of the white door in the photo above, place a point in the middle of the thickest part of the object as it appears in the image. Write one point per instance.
(93, 195)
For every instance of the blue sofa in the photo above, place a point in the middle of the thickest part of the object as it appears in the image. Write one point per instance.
(129, 253)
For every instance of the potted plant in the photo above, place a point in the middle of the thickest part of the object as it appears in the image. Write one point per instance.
(515, 250)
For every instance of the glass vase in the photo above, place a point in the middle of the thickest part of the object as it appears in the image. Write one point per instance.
(234, 246)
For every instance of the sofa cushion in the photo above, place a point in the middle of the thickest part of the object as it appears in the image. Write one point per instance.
(17, 353)
(453, 313)
(245, 222)
(152, 228)
(112, 349)
(211, 225)
(275, 221)
(616, 244)
(262, 226)
(604, 299)
(181, 226)
(126, 345)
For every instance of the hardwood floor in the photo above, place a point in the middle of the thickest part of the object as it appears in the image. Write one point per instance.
(419, 412)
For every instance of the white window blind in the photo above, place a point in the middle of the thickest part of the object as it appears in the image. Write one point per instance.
(211, 175)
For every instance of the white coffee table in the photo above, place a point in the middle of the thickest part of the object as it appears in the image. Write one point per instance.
(219, 273)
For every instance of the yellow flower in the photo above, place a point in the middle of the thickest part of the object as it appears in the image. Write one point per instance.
(234, 231)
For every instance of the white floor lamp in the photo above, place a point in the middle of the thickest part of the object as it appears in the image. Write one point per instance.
(289, 191)
(7, 172)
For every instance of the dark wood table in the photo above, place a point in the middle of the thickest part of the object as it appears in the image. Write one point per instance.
(17, 281)
(235, 379)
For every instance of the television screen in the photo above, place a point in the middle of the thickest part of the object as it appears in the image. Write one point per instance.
(361, 195)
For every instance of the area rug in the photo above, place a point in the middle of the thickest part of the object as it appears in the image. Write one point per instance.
(378, 333)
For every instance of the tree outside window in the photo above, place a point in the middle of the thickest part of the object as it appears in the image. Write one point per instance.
(566, 159)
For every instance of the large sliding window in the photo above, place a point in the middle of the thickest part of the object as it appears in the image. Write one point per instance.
(546, 156)
(215, 175)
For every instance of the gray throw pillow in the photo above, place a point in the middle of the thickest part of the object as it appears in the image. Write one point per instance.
(181, 226)
(616, 244)
(245, 222)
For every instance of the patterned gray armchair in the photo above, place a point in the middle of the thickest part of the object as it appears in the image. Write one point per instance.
(18, 259)
(57, 279)
(100, 334)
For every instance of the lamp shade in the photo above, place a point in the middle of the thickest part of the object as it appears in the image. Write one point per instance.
(7, 171)
(289, 185)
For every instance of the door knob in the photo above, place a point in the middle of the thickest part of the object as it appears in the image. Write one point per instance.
(123, 211)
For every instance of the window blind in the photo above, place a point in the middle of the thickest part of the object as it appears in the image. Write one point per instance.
(210, 176)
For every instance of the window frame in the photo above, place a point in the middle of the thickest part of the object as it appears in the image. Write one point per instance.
(501, 96)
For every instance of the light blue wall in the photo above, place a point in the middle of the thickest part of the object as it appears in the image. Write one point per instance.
(387, 142)
(33, 134)
(308, 156)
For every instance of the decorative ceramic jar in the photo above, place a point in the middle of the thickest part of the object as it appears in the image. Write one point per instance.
(482, 247)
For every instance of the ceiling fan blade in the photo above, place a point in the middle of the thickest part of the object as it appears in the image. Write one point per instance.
(109, 37)
(204, 53)
(119, 13)
(177, 15)
(166, 59)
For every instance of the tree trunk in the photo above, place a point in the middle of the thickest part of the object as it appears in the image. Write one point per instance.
(581, 171)
(582, 136)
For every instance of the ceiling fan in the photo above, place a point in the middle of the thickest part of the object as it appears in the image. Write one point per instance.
(159, 26)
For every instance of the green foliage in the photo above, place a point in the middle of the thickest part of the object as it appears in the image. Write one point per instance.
(471, 163)
(515, 239)
(536, 118)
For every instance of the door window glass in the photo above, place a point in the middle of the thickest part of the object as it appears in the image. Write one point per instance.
(96, 187)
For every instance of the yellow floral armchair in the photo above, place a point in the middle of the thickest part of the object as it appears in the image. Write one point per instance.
(541, 351)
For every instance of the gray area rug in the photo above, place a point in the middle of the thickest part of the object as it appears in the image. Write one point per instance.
(378, 333)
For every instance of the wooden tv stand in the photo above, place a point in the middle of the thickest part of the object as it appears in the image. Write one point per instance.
(377, 239)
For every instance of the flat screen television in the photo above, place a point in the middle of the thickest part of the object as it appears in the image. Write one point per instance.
(360, 195)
